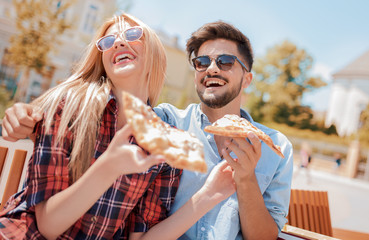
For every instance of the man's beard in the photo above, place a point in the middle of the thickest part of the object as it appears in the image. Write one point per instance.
(222, 100)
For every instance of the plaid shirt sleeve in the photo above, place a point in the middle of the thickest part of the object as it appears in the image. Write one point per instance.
(155, 204)
(48, 169)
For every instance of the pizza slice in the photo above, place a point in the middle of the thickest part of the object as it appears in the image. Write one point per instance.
(232, 125)
(180, 148)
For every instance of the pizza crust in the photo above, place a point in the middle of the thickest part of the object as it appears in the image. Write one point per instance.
(232, 125)
(180, 148)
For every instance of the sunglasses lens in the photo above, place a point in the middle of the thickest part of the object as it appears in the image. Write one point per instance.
(106, 42)
(225, 62)
(133, 34)
(201, 63)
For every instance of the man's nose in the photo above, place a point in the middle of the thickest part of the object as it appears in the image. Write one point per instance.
(213, 67)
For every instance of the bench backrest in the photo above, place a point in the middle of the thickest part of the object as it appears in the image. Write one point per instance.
(310, 210)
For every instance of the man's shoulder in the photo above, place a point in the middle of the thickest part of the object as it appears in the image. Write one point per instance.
(277, 137)
(167, 108)
(171, 114)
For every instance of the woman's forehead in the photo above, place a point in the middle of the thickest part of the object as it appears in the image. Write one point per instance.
(115, 27)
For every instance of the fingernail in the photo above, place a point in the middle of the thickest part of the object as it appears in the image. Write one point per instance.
(251, 135)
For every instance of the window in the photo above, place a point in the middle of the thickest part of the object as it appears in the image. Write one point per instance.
(90, 20)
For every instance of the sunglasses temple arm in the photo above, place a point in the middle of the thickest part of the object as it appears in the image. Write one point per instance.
(243, 65)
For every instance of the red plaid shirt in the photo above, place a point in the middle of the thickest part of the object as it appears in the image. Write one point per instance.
(134, 203)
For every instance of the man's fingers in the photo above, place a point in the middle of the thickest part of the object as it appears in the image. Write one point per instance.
(9, 134)
(229, 159)
(16, 128)
(24, 114)
(36, 114)
(244, 148)
(255, 141)
(234, 147)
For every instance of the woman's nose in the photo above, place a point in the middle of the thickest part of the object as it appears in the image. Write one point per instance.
(118, 45)
(119, 42)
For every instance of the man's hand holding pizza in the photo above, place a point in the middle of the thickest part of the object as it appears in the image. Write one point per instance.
(248, 155)
(254, 215)
(19, 122)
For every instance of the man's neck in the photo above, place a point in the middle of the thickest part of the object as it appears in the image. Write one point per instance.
(214, 114)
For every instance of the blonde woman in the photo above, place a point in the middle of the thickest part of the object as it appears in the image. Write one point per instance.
(81, 181)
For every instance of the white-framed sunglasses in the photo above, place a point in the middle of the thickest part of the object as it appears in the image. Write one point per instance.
(130, 35)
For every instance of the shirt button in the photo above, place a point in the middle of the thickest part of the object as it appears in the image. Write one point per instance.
(93, 219)
(202, 229)
(208, 137)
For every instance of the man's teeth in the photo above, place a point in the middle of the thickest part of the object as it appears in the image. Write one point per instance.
(123, 56)
(219, 83)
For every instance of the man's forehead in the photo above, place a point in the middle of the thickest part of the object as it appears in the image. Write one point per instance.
(217, 47)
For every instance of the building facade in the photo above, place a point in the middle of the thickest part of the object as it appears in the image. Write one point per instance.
(349, 96)
(86, 16)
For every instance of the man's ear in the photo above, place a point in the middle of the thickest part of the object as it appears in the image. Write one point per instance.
(247, 78)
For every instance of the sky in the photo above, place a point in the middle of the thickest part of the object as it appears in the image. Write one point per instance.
(333, 32)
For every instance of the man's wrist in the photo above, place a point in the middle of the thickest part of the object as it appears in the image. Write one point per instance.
(246, 181)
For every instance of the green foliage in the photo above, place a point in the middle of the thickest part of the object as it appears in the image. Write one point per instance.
(308, 134)
(39, 24)
(281, 78)
(5, 101)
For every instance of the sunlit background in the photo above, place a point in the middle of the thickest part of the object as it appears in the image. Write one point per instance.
(311, 73)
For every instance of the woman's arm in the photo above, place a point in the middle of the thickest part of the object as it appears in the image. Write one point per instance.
(59, 212)
(217, 187)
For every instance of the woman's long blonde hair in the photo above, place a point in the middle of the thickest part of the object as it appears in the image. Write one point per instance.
(87, 91)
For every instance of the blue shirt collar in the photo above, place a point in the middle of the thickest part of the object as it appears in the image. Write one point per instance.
(201, 117)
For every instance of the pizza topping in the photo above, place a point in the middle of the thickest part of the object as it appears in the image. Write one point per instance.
(232, 125)
(180, 148)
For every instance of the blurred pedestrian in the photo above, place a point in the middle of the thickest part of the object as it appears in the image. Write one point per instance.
(305, 160)
(338, 160)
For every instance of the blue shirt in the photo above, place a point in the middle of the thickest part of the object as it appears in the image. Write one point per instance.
(273, 173)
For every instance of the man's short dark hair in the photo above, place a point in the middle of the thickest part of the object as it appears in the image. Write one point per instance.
(220, 30)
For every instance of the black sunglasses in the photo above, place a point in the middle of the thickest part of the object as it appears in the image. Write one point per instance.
(223, 61)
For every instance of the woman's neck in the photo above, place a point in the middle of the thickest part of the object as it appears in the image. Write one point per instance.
(140, 93)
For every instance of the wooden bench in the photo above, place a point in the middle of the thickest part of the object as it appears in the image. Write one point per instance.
(15, 172)
(3, 154)
(309, 210)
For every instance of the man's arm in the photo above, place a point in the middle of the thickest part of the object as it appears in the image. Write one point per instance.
(19, 121)
(256, 221)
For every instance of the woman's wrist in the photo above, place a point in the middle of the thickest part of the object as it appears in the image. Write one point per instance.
(111, 169)
(205, 197)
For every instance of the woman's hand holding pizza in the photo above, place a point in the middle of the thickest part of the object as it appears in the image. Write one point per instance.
(122, 157)
(247, 154)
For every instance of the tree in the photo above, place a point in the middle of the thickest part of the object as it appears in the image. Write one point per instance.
(281, 78)
(5, 101)
(38, 24)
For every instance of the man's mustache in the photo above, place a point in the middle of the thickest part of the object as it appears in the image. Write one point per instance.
(214, 76)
